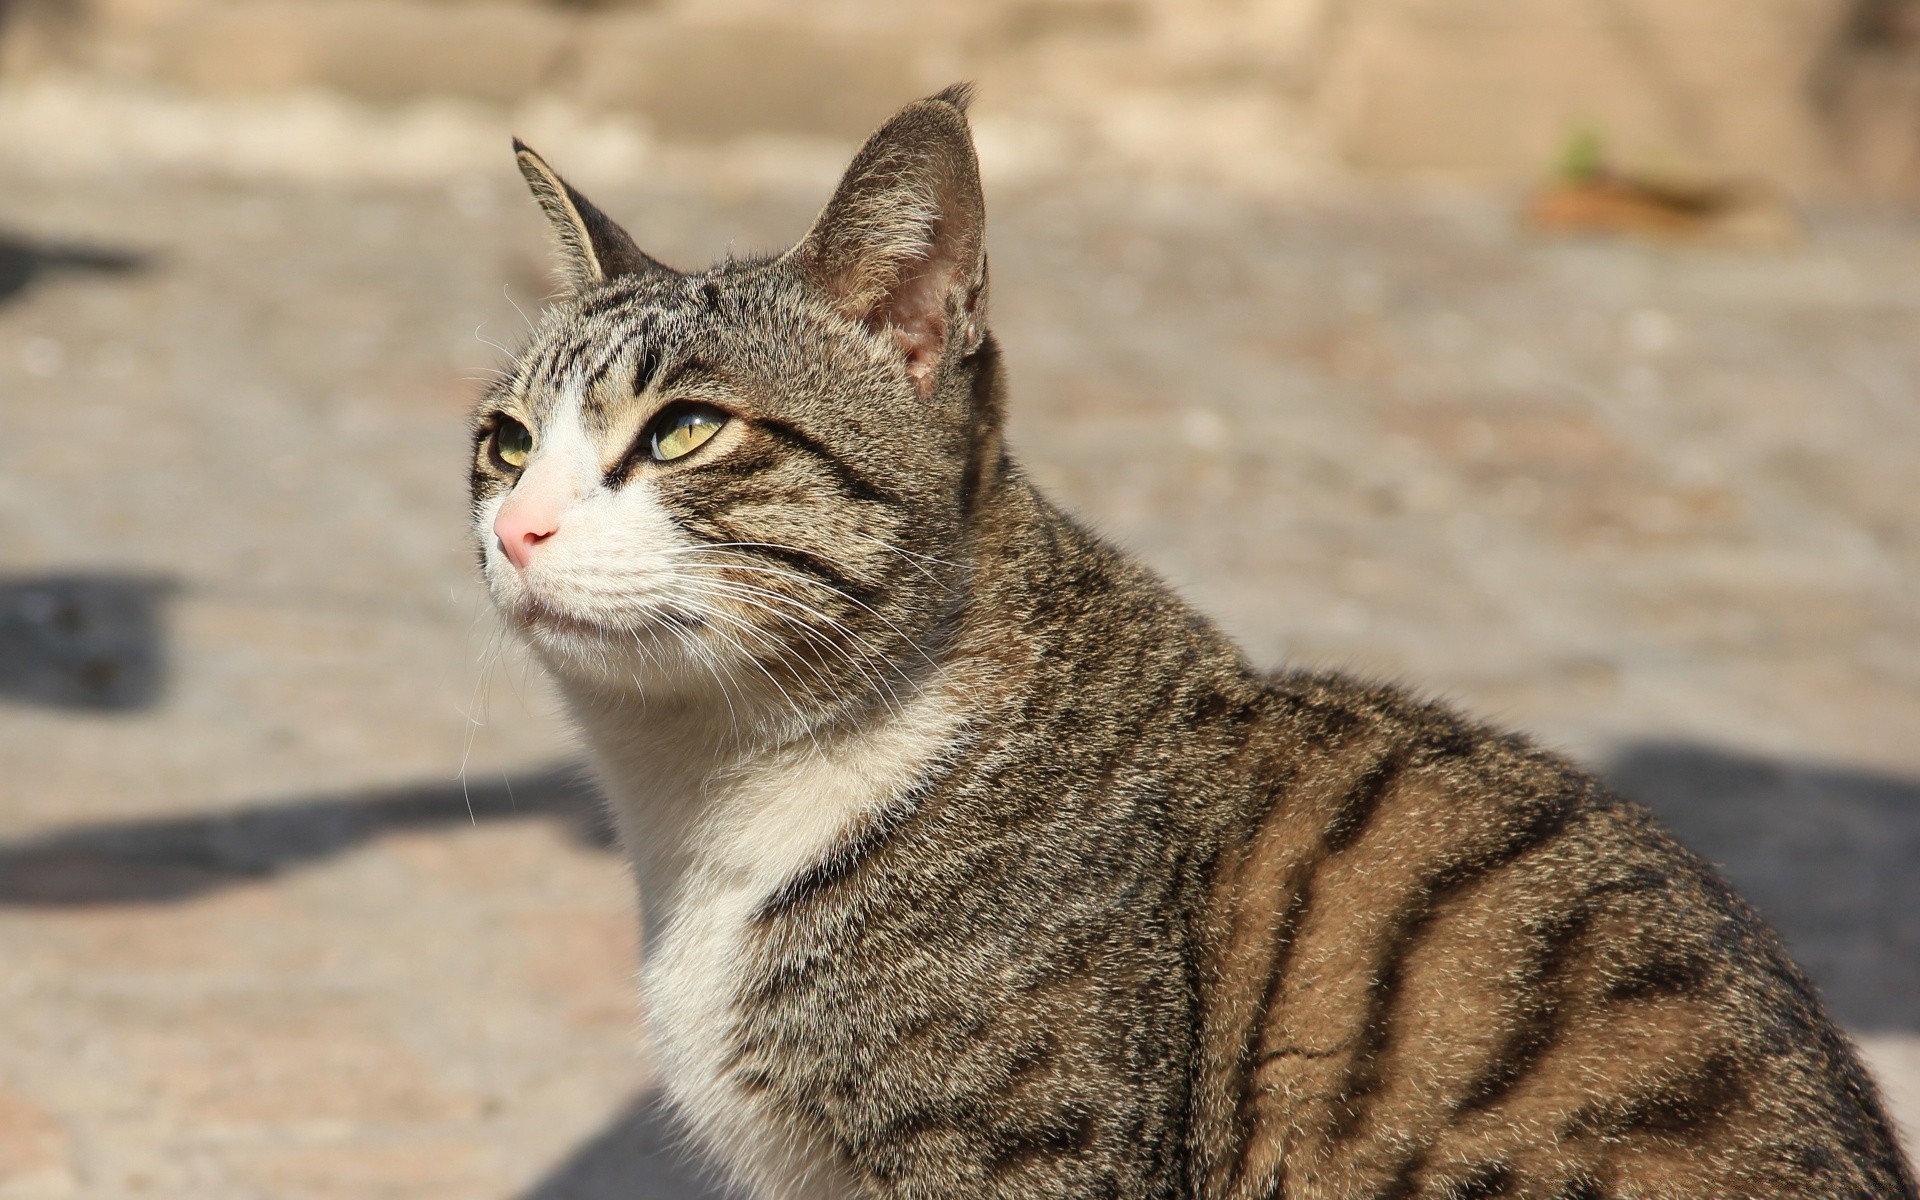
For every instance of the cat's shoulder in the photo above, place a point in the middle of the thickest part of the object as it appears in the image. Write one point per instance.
(1391, 733)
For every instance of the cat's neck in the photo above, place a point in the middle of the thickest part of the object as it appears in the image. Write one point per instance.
(700, 801)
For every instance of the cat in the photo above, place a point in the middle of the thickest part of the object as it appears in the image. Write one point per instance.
(974, 862)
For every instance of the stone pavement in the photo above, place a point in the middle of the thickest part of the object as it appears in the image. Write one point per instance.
(296, 896)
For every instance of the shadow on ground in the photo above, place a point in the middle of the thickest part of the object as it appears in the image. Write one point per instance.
(638, 1156)
(170, 860)
(1830, 854)
(83, 641)
(22, 262)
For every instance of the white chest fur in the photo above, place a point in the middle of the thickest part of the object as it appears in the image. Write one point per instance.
(711, 843)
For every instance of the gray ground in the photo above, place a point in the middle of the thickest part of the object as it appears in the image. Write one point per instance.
(257, 936)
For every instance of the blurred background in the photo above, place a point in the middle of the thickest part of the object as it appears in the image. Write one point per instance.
(1556, 356)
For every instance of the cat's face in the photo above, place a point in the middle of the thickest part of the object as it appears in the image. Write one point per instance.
(732, 482)
(686, 475)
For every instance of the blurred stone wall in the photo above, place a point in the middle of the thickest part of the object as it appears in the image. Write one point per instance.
(1820, 95)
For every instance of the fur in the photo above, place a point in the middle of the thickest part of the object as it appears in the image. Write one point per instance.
(975, 863)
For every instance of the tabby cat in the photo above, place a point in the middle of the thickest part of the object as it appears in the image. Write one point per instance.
(975, 863)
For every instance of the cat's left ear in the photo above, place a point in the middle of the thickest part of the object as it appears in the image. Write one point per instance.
(591, 249)
(901, 247)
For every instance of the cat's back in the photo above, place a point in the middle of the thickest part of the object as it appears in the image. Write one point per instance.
(1437, 961)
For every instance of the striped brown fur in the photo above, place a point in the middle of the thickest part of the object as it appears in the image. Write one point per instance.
(1137, 919)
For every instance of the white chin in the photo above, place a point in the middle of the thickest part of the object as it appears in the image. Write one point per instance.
(645, 652)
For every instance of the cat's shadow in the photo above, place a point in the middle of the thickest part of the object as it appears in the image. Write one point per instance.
(1829, 854)
(170, 860)
(24, 262)
(637, 1156)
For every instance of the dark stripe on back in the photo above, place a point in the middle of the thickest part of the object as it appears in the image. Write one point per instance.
(1356, 809)
(1676, 974)
(1684, 1105)
(939, 1116)
(1252, 1058)
(1482, 1183)
(1581, 1187)
(1253, 1050)
(852, 482)
(1549, 817)
(1527, 1043)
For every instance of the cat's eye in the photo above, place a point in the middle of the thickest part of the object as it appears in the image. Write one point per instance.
(512, 442)
(682, 429)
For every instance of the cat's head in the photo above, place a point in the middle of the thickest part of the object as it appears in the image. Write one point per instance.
(752, 478)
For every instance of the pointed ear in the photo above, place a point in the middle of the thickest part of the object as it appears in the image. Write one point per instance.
(901, 247)
(590, 248)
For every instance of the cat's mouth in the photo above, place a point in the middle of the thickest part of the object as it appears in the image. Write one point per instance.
(534, 615)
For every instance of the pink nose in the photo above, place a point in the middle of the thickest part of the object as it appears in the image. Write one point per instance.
(524, 523)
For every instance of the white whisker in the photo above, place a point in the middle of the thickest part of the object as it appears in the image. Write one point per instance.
(750, 594)
(785, 653)
(506, 289)
(479, 337)
(736, 561)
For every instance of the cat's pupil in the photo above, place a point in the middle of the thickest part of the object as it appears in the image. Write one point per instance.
(513, 442)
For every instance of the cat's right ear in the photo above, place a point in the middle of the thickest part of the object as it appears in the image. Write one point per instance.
(590, 248)
(901, 247)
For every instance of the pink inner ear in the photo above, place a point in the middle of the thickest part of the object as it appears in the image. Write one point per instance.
(922, 353)
(916, 313)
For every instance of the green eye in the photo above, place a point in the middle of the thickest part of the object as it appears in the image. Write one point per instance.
(680, 431)
(512, 442)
